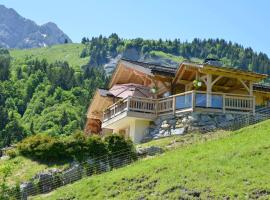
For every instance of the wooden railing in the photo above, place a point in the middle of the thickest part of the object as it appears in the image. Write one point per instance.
(134, 104)
(187, 101)
(143, 105)
(165, 105)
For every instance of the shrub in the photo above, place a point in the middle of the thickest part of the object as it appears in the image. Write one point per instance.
(12, 153)
(43, 147)
(96, 147)
(77, 147)
(119, 147)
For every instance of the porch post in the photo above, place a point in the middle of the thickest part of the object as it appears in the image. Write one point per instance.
(253, 97)
(128, 103)
(208, 89)
(250, 88)
(173, 104)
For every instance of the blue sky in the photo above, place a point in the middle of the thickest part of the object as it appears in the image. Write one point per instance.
(244, 21)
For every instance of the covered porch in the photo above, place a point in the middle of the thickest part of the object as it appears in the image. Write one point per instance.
(194, 88)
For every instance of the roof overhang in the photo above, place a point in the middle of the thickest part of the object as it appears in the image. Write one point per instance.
(100, 101)
(217, 70)
(232, 72)
(133, 68)
(143, 74)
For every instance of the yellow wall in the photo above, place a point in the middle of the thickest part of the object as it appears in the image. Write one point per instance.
(133, 128)
(137, 130)
(262, 98)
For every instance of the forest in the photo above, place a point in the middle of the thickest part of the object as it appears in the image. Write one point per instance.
(230, 54)
(52, 98)
(39, 97)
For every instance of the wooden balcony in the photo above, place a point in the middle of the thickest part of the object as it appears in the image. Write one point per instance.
(184, 102)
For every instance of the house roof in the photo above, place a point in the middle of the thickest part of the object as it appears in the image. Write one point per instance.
(261, 87)
(155, 68)
(104, 92)
(130, 71)
(219, 70)
(130, 89)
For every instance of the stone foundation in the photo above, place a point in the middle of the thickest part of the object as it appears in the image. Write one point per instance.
(190, 122)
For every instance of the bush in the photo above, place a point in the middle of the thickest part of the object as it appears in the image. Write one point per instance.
(43, 147)
(119, 147)
(12, 153)
(75, 147)
(96, 147)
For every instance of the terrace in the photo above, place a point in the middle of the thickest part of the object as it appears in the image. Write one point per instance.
(191, 101)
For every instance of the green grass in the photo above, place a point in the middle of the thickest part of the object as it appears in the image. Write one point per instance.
(22, 169)
(63, 52)
(177, 59)
(235, 167)
(177, 141)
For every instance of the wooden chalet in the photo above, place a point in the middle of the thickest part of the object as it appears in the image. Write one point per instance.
(162, 90)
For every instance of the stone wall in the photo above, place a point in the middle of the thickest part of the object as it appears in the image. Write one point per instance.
(190, 122)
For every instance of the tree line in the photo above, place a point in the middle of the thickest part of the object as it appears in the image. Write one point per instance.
(231, 54)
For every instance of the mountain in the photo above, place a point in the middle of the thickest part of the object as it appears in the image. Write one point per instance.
(18, 32)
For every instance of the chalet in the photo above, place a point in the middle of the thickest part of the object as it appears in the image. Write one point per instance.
(140, 92)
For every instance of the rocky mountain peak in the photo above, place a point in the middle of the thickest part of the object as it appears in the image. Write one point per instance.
(19, 32)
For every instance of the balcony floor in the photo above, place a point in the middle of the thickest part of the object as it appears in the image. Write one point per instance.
(120, 118)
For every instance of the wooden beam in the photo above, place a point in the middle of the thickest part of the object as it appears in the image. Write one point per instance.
(184, 82)
(192, 75)
(181, 74)
(250, 88)
(197, 75)
(244, 84)
(208, 89)
(218, 78)
(229, 75)
(204, 78)
(129, 76)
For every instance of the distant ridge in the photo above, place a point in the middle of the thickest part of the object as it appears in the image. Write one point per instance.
(19, 32)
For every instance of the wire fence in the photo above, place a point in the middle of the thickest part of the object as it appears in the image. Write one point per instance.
(246, 120)
(49, 181)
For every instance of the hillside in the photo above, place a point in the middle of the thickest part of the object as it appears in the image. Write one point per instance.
(23, 169)
(235, 167)
(18, 32)
(65, 52)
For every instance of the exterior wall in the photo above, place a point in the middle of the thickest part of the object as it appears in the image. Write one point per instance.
(133, 128)
(106, 131)
(262, 99)
(138, 130)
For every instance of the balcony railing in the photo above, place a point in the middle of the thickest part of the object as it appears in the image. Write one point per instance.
(188, 101)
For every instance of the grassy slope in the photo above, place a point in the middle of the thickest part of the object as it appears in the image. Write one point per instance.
(236, 166)
(64, 52)
(177, 59)
(22, 169)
